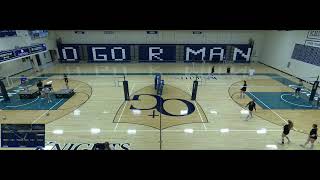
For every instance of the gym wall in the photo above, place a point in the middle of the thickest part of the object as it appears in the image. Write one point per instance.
(164, 37)
(278, 50)
(23, 39)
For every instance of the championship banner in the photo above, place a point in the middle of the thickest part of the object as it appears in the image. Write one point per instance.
(314, 34)
(313, 43)
(157, 53)
(20, 52)
(109, 53)
(313, 38)
(6, 55)
(69, 53)
(8, 33)
(38, 48)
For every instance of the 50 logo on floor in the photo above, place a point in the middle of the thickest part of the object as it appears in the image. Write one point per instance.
(82, 146)
(160, 105)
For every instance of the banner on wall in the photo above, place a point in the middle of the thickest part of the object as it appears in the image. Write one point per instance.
(238, 53)
(8, 33)
(313, 38)
(38, 48)
(69, 53)
(157, 53)
(23, 51)
(109, 53)
(217, 52)
(313, 43)
(314, 34)
(200, 53)
(241, 53)
(6, 55)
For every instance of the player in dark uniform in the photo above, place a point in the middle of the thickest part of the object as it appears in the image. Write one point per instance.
(243, 89)
(40, 85)
(251, 105)
(313, 135)
(66, 80)
(23, 82)
(298, 89)
(286, 131)
(103, 146)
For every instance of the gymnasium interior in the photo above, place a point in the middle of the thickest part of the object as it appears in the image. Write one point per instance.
(158, 89)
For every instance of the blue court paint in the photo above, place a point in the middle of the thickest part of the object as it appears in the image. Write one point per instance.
(31, 104)
(280, 100)
(39, 103)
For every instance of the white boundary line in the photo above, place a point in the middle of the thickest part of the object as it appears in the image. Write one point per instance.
(270, 109)
(293, 103)
(131, 90)
(200, 117)
(115, 128)
(77, 87)
(195, 103)
(24, 104)
(46, 112)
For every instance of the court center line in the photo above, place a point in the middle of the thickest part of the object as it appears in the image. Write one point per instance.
(198, 111)
(200, 116)
(46, 112)
(115, 128)
(270, 109)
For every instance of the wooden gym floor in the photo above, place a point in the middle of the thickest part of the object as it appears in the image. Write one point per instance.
(99, 103)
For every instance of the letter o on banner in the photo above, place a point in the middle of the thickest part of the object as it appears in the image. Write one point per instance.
(123, 54)
(74, 52)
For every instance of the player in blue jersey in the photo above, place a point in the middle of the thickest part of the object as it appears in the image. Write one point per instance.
(23, 82)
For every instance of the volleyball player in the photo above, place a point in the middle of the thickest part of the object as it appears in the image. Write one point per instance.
(46, 92)
(40, 85)
(286, 131)
(243, 89)
(298, 89)
(251, 105)
(313, 135)
(23, 82)
(66, 80)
